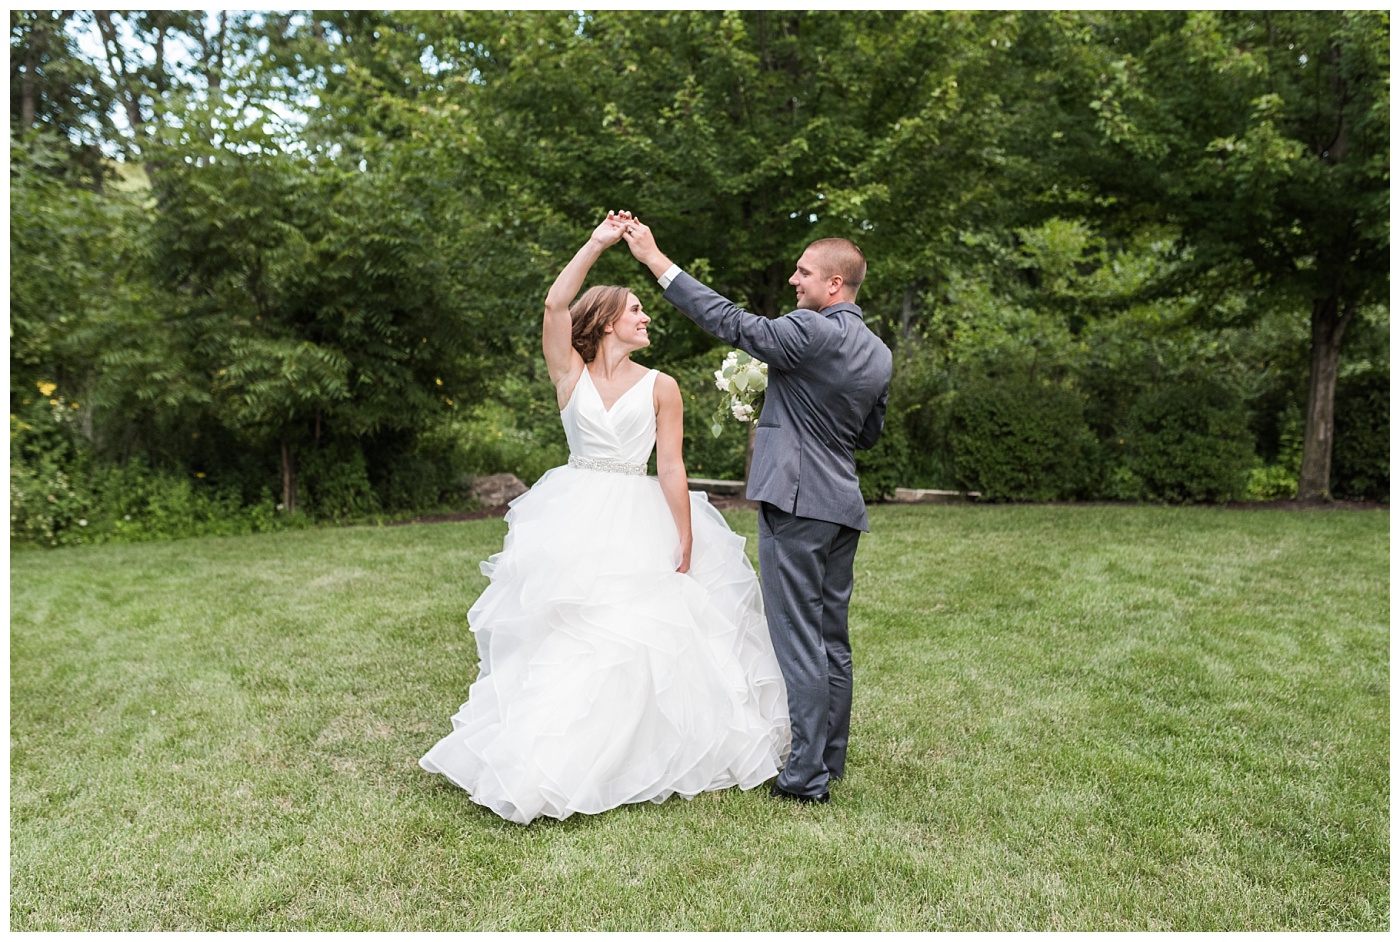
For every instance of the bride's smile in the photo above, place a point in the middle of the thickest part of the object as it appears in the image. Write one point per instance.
(631, 326)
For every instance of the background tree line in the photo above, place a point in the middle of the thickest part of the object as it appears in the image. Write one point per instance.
(269, 267)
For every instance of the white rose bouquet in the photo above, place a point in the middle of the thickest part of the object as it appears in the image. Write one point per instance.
(742, 379)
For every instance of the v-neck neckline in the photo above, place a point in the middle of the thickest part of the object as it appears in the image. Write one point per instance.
(608, 410)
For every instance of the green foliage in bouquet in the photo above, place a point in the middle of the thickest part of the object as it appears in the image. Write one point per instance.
(742, 379)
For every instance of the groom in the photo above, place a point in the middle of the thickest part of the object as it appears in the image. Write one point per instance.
(828, 380)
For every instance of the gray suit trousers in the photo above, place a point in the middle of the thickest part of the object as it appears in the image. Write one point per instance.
(806, 569)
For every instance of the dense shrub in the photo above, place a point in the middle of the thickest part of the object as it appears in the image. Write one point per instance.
(42, 427)
(334, 482)
(1013, 440)
(912, 450)
(422, 481)
(919, 392)
(135, 502)
(1361, 437)
(1115, 480)
(62, 493)
(47, 505)
(1190, 443)
(108, 503)
(1271, 482)
(1279, 458)
(45, 508)
(888, 465)
(494, 441)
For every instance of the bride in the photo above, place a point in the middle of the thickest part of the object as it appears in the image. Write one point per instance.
(624, 654)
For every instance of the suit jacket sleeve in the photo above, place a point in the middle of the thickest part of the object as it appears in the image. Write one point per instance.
(874, 423)
(782, 343)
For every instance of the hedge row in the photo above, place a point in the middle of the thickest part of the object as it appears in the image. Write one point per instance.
(1010, 440)
(1013, 440)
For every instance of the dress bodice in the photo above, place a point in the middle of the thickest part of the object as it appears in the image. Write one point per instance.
(626, 432)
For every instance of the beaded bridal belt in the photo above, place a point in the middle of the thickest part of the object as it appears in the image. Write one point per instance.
(608, 464)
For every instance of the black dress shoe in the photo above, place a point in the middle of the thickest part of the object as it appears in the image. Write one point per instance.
(783, 793)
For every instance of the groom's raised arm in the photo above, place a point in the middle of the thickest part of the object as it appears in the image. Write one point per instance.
(782, 343)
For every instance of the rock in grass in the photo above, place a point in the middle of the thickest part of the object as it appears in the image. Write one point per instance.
(497, 489)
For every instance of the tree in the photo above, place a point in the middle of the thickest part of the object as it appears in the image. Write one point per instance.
(1263, 139)
(54, 91)
(319, 301)
(72, 268)
(1105, 202)
(936, 174)
(724, 130)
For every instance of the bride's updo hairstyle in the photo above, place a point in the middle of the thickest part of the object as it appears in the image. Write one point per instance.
(596, 310)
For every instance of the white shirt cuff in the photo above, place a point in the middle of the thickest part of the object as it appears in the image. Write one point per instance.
(668, 276)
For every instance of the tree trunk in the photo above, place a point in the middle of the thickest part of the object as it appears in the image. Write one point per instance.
(214, 60)
(906, 313)
(216, 69)
(116, 64)
(289, 479)
(1328, 326)
(159, 77)
(125, 84)
(772, 302)
(27, 84)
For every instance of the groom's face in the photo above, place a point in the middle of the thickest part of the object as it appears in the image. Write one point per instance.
(812, 284)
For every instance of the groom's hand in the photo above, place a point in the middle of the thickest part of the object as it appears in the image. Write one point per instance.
(643, 245)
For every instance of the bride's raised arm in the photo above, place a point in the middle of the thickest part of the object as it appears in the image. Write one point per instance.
(563, 360)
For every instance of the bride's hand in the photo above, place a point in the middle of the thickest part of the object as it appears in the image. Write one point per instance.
(611, 229)
(684, 556)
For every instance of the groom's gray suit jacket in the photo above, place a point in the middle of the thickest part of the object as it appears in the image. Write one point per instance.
(828, 381)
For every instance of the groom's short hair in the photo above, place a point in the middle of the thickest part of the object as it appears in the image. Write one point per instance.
(841, 257)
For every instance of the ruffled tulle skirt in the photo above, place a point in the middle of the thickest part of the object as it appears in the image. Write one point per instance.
(606, 677)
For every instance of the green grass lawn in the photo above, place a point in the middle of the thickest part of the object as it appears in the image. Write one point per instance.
(1065, 718)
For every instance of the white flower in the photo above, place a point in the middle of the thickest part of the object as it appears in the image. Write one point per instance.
(82, 523)
(126, 516)
(743, 379)
(279, 506)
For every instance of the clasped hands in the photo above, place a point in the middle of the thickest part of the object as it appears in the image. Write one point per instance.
(622, 225)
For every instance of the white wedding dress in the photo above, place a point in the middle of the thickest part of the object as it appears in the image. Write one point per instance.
(607, 677)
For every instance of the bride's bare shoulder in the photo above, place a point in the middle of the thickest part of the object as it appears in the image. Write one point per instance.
(665, 388)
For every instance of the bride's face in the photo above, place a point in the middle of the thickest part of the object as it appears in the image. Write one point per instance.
(630, 328)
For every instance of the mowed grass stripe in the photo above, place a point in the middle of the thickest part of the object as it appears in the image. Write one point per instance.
(1065, 717)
